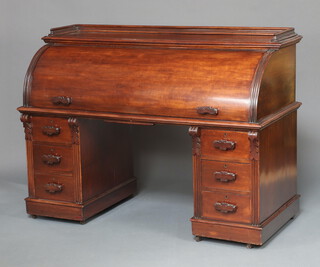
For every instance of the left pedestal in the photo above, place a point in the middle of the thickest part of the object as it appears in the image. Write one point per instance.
(76, 167)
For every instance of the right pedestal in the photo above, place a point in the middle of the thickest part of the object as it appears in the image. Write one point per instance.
(245, 181)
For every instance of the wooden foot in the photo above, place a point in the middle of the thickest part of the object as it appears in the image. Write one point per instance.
(249, 246)
(197, 238)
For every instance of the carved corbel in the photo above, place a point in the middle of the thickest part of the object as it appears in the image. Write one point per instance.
(74, 125)
(26, 120)
(194, 132)
(254, 145)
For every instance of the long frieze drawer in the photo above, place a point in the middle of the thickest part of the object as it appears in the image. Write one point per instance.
(226, 175)
(226, 206)
(225, 145)
(50, 158)
(50, 129)
(54, 187)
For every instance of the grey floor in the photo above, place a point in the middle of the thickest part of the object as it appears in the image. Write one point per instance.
(151, 229)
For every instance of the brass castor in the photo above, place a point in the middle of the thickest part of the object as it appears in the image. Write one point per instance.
(82, 222)
(197, 238)
(250, 246)
(34, 216)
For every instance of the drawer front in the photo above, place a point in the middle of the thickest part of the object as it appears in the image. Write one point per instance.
(50, 129)
(50, 158)
(225, 145)
(226, 206)
(226, 175)
(54, 187)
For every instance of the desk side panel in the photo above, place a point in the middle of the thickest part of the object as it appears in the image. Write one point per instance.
(106, 158)
(163, 82)
(278, 164)
(277, 88)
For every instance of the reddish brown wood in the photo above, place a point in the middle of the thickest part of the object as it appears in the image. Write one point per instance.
(45, 184)
(225, 207)
(130, 118)
(53, 187)
(277, 88)
(241, 181)
(135, 72)
(225, 145)
(52, 158)
(235, 87)
(26, 120)
(45, 129)
(195, 133)
(225, 177)
(106, 155)
(207, 110)
(212, 202)
(80, 212)
(179, 36)
(51, 130)
(61, 100)
(278, 164)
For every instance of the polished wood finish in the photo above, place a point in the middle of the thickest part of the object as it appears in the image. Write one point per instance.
(54, 187)
(52, 158)
(215, 206)
(278, 165)
(228, 175)
(225, 145)
(234, 87)
(43, 125)
(277, 87)
(84, 164)
(128, 75)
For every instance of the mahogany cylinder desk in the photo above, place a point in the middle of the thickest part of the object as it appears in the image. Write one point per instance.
(234, 87)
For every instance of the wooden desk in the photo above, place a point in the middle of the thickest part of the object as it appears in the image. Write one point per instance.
(234, 87)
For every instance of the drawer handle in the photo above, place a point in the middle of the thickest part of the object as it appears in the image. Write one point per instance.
(61, 100)
(207, 110)
(225, 177)
(51, 159)
(224, 145)
(50, 130)
(53, 188)
(224, 207)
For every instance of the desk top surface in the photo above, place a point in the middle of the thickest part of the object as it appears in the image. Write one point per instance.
(236, 37)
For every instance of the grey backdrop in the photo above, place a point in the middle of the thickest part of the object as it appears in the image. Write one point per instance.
(152, 229)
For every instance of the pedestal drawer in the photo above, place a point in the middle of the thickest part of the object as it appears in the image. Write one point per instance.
(50, 129)
(226, 206)
(54, 187)
(51, 158)
(226, 175)
(225, 145)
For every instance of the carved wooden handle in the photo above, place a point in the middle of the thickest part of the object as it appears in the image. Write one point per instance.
(53, 187)
(224, 207)
(224, 145)
(50, 130)
(61, 100)
(51, 159)
(225, 177)
(207, 110)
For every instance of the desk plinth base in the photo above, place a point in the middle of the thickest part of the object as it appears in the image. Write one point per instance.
(249, 234)
(80, 212)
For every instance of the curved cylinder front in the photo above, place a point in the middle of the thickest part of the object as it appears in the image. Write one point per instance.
(171, 82)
